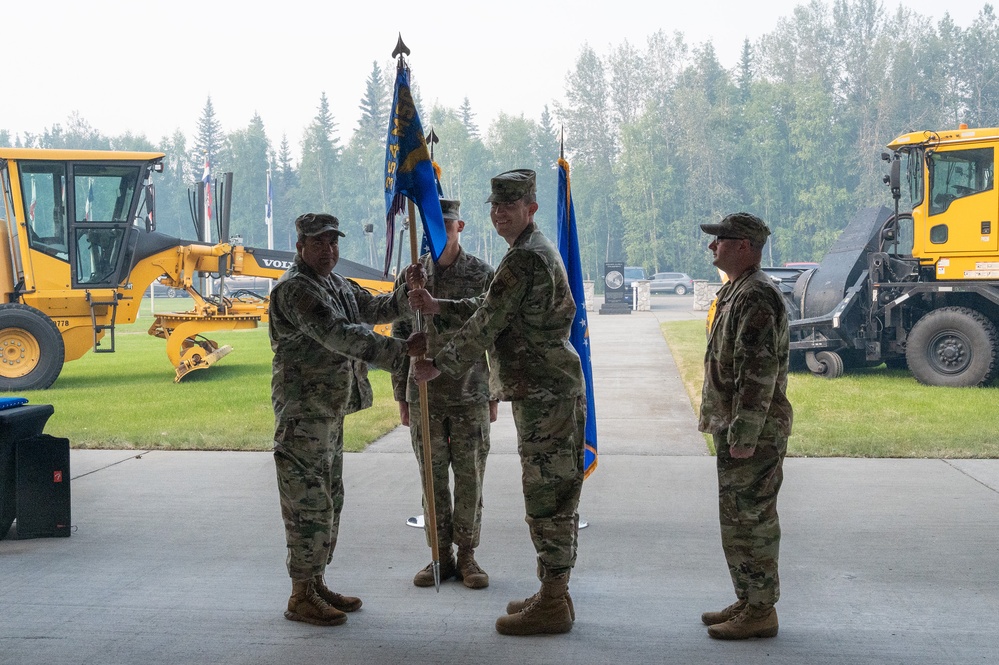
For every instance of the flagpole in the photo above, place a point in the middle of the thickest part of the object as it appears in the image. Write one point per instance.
(269, 213)
(428, 471)
(430, 509)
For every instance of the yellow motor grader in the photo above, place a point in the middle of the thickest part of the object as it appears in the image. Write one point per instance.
(79, 248)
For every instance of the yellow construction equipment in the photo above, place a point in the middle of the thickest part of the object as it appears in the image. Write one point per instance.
(78, 249)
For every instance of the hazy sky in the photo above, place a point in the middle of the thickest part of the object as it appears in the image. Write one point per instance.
(149, 66)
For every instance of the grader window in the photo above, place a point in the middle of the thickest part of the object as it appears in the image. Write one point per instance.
(956, 174)
(43, 187)
(103, 203)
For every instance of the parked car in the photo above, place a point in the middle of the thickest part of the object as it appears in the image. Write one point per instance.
(158, 290)
(679, 283)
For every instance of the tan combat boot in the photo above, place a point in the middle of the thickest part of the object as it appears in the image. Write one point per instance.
(754, 621)
(547, 613)
(308, 606)
(515, 606)
(712, 618)
(339, 601)
(469, 571)
(448, 570)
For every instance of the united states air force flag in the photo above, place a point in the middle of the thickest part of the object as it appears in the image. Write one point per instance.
(568, 247)
(409, 172)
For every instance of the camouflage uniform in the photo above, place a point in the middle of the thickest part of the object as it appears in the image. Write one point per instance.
(459, 410)
(526, 316)
(321, 356)
(744, 404)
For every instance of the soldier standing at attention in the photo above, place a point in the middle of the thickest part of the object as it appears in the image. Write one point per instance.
(526, 316)
(744, 407)
(460, 413)
(321, 352)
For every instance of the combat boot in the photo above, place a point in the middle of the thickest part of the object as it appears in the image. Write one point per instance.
(515, 606)
(754, 621)
(547, 613)
(307, 605)
(469, 571)
(712, 618)
(448, 570)
(339, 601)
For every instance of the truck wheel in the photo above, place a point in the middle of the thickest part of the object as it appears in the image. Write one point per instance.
(952, 346)
(31, 349)
(680, 290)
(829, 365)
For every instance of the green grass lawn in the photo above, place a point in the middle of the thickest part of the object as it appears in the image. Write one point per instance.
(128, 399)
(865, 413)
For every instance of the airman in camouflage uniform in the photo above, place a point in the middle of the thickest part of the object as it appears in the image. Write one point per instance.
(460, 413)
(744, 407)
(526, 315)
(321, 356)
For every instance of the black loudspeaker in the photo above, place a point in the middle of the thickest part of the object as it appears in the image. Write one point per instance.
(16, 424)
(42, 487)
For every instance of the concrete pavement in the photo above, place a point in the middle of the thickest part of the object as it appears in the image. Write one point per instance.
(178, 557)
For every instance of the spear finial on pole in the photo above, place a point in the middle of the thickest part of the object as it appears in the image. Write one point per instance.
(400, 48)
(432, 140)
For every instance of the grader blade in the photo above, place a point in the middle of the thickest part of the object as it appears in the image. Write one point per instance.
(196, 360)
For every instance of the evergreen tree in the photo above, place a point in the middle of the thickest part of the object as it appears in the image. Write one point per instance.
(284, 180)
(250, 159)
(745, 71)
(173, 189)
(318, 189)
(468, 119)
(208, 142)
(374, 107)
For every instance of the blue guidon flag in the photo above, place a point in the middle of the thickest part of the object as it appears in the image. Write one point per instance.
(568, 247)
(409, 172)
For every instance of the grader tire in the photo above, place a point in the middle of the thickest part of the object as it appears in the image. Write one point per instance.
(954, 347)
(31, 349)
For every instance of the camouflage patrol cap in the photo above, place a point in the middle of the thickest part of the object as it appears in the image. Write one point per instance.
(315, 223)
(739, 225)
(512, 186)
(450, 208)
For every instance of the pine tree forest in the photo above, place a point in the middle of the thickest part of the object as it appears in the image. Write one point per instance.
(660, 137)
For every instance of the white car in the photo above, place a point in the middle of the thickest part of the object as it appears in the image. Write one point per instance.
(679, 283)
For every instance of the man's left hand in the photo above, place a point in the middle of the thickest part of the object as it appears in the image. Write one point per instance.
(416, 344)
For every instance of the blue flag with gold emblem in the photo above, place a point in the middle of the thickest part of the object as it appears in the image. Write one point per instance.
(409, 172)
(568, 247)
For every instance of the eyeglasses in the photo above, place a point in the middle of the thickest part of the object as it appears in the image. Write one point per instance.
(720, 238)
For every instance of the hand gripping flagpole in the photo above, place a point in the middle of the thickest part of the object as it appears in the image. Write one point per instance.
(428, 476)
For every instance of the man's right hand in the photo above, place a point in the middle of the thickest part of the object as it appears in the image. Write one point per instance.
(416, 276)
(404, 412)
(421, 301)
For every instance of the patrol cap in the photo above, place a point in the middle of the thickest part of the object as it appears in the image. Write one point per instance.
(315, 223)
(739, 225)
(512, 186)
(450, 208)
